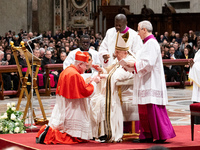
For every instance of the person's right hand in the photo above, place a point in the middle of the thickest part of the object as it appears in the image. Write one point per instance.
(98, 68)
(96, 79)
(88, 80)
(130, 64)
(191, 62)
(106, 56)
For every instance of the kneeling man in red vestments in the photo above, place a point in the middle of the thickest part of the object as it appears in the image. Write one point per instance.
(70, 120)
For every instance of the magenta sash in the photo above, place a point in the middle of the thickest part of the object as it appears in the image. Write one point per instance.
(52, 82)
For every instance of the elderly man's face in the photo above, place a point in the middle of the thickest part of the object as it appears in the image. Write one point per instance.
(120, 54)
(120, 25)
(83, 67)
(141, 33)
(48, 54)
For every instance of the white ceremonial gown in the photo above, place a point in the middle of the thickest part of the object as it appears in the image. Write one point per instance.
(72, 116)
(108, 44)
(116, 114)
(194, 76)
(146, 89)
(71, 57)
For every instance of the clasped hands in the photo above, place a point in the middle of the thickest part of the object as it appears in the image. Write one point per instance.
(129, 66)
(97, 77)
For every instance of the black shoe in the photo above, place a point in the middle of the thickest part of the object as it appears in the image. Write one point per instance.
(159, 141)
(148, 140)
(42, 136)
(104, 137)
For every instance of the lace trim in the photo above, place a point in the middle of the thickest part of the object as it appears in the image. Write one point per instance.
(153, 93)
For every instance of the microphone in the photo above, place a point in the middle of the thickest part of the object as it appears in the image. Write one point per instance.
(37, 37)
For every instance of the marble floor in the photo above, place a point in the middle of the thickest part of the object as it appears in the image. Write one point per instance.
(178, 106)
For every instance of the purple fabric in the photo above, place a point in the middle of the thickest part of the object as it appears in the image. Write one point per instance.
(149, 37)
(128, 126)
(40, 79)
(52, 82)
(137, 126)
(127, 28)
(160, 125)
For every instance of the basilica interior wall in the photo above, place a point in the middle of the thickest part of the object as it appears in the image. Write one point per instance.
(13, 15)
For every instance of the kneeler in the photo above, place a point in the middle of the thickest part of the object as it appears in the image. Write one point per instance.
(24, 80)
(134, 125)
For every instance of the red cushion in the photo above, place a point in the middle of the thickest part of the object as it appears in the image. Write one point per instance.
(195, 107)
(10, 92)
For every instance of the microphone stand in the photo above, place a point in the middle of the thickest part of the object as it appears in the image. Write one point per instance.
(32, 126)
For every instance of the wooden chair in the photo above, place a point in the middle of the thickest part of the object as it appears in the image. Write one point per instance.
(8, 69)
(24, 80)
(194, 111)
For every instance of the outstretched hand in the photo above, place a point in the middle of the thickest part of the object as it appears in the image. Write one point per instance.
(98, 68)
(130, 64)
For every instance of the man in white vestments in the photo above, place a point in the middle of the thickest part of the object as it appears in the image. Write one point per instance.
(107, 47)
(106, 106)
(84, 46)
(149, 89)
(70, 119)
(194, 75)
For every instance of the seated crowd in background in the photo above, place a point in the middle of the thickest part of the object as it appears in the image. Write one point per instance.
(55, 48)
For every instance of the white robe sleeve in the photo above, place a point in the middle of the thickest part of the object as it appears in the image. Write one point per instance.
(194, 73)
(103, 49)
(95, 56)
(147, 59)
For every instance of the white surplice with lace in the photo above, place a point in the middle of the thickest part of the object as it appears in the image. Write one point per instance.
(149, 82)
(72, 116)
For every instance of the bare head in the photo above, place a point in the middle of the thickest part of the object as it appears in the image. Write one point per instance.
(145, 28)
(120, 22)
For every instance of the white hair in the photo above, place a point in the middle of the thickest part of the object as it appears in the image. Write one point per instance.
(42, 50)
(146, 24)
(76, 62)
(1, 52)
(64, 53)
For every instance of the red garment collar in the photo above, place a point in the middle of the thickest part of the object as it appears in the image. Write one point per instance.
(75, 68)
